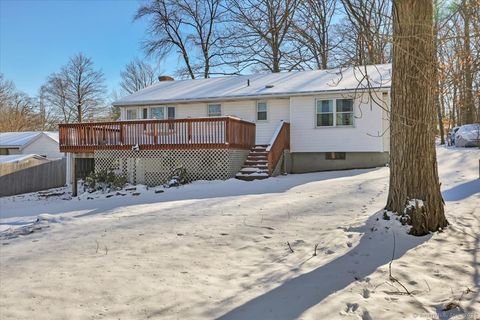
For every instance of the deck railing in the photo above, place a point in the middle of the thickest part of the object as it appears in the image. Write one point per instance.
(195, 133)
(280, 142)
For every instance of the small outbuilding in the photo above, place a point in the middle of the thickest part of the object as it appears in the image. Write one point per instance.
(42, 143)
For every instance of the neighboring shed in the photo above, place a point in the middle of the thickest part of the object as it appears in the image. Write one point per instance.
(30, 142)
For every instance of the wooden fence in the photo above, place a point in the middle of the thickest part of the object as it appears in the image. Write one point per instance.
(41, 177)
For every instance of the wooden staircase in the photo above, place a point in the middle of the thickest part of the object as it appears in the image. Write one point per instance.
(256, 165)
(263, 158)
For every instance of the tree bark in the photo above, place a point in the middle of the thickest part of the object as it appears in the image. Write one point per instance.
(413, 163)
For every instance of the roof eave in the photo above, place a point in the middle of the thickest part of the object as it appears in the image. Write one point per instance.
(243, 97)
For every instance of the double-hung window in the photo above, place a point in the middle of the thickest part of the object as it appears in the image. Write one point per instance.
(170, 113)
(157, 113)
(261, 111)
(132, 114)
(325, 113)
(162, 113)
(334, 112)
(344, 109)
(214, 110)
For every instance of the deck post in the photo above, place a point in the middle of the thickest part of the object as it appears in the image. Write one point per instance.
(73, 167)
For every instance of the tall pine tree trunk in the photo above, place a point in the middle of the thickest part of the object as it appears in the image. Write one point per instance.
(413, 164)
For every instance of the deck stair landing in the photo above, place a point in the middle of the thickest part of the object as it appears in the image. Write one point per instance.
(256, 165)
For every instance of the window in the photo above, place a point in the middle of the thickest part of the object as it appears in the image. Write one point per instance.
(131, 114)
(335, 156)
(144, 113)
(214, 110)
(325, 113)
(171, 113)
(344, 112)
(157, 113)
(328, 116)
(261, 111)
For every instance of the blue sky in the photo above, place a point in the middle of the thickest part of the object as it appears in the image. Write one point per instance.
(38, 37)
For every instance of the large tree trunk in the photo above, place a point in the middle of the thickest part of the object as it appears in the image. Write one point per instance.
(413, 164)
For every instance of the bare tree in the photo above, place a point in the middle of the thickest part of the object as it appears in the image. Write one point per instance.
(47, 118)
(312, 32)
(467, 10)
(77, 92)
(56, 97)
(259, 34)
(136, 76)
(413, 163)
(85, 86)
(366, 33)
(17, 112)
(189, 28)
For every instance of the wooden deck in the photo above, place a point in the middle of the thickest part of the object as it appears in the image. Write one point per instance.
(196, 133)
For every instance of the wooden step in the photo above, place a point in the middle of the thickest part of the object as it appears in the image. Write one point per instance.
(251, 178)
(256, 166)
(256, 157)
(256, 161)
(261, 153)
(253, 170)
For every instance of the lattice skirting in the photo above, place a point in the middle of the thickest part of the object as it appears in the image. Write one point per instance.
(153, 167)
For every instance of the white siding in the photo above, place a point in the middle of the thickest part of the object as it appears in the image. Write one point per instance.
(43, 146)
(191, 110)
(363, 137)
(386, 123)
(277, 109)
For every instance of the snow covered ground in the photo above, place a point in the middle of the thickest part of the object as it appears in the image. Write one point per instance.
(219, 250)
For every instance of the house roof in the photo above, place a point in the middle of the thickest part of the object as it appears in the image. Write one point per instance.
(259, 86)
(20, 157)
(22, 139)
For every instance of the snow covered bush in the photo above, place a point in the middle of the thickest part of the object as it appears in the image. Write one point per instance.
(178, 177)
(104, 179)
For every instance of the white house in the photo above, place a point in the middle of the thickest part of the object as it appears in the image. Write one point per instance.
(42, 143)
(304, 120)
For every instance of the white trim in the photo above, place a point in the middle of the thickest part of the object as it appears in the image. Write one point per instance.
(214, 104)
(334, 112)
(131, 108)
(256, 110)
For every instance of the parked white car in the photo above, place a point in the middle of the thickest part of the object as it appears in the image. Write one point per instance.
(468, 136)
(451, 136)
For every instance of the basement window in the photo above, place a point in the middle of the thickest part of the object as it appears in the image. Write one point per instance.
(335, 156)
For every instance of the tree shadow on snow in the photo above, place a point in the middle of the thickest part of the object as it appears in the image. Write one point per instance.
(462, 191)
(193, 191)
(295, 296)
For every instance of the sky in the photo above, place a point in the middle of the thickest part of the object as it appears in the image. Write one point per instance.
(37, 37)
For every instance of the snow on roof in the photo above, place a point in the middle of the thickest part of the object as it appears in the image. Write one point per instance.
(262, 85)
(21, 139)
(53, 135)
(20, 157)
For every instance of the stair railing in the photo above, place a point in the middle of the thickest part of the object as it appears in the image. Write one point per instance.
(280, 141)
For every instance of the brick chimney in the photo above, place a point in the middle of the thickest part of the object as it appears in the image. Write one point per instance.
(165, 78)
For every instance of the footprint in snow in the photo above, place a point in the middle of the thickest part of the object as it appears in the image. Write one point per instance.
(366, 316)
(352, 307)
(366, 293)
(329, 251)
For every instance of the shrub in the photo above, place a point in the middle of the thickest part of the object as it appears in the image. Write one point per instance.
(104, 179)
